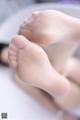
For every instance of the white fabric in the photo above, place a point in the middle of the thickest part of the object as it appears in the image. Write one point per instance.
(11, 6)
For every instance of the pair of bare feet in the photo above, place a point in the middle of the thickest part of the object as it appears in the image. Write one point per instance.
(31, 62)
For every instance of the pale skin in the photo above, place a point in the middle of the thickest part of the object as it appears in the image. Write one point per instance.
(44, 99)
(37, 93)
(33, 89)
(22, 46)
(4, 55)
(56, 25)
(51, 26)
(37, 54)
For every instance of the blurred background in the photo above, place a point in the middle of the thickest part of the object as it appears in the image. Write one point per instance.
(9, 7)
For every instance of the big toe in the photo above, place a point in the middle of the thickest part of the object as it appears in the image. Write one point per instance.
(16, 44)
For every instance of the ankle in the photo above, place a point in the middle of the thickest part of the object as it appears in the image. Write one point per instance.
(56, 85)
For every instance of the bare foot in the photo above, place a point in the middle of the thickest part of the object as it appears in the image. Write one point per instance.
(31, 62)
(50, 26)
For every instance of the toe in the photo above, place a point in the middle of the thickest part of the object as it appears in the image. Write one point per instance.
(12, 59)
(19, 41)
(11, 53)
(13, 64)
(12, 47)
